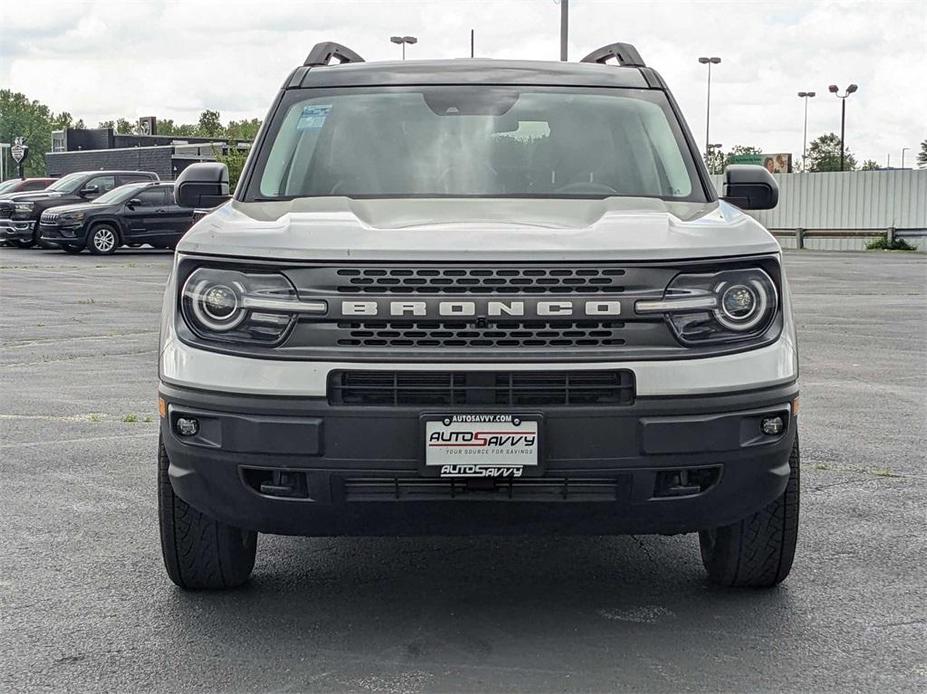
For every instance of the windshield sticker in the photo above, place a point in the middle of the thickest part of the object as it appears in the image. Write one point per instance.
(313, 117)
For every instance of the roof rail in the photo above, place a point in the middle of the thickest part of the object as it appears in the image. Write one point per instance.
(624, 53)
(322, 54)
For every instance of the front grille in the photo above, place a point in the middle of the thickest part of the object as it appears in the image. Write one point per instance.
(6, 210)
(484, 280)
(497, 334)
(550, 489)
(481, 388)
(49, 217)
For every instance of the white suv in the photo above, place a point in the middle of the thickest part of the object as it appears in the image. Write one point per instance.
(475, 296)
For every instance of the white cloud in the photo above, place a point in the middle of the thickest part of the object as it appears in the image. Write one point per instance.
(103, 59)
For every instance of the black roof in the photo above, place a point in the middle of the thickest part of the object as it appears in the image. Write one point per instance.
(468, 71)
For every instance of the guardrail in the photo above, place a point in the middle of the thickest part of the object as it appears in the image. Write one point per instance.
(846, 239)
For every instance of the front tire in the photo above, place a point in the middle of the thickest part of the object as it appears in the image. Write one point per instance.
(23, 243)
(199, 552)
(104, 239)
(756, 552)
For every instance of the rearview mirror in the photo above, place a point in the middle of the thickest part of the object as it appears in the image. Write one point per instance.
(750, 187)
(89, 191)
(134, 202)
(205, 184)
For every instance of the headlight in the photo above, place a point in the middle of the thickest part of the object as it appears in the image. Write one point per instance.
(727, 306)
(235, 306)
(23, 208)
(72, 217)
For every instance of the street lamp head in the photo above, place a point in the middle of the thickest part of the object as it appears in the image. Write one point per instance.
(410, 39)
(802, 95)
(715, 60)
(833, 89)
(703, 60)
(810, 94)
(395, 39)
(852, 88)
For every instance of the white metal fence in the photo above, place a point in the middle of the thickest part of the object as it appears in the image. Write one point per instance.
(845, 211)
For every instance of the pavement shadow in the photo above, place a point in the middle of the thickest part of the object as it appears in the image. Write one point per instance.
(472, 599)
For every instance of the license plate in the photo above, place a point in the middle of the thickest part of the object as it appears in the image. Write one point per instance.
(482, 445)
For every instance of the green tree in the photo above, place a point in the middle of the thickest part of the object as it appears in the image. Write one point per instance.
(922, 156)
(234, 159)
(210, 125)
(31, 120)
(121, 126)
(869, 165)
(824, 154)
(715, 161)
(243, 129)
(166, 126)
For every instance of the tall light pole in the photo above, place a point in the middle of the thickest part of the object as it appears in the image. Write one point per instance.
(564, 28)
(804, 151)
(903, 150)
(403, 40)
(843, 115)
(709, 62)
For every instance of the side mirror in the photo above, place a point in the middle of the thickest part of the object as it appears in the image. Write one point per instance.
(134, 202)
(205, 184)
(89, 192)
(750, 187)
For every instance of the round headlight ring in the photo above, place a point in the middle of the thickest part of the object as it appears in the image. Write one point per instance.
(216, 305)
(752, 298)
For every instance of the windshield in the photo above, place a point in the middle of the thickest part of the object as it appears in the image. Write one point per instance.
(6, 185)
(120, 194)
(68, 184)
(466, 140)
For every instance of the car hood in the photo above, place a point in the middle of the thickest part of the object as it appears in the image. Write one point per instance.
(33, 195)
(337, 228)
(77, 207)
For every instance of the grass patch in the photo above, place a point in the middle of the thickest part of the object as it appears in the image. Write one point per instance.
(86, 301)
(96, 418)
(882, 244)
(130, 418)
(148, 420)
(821, 466)
(883, 472)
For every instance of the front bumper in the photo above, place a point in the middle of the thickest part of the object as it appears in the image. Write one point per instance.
(606, 468)
(61, 233)
(17, 229)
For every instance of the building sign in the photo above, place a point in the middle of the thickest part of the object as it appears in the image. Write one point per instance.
(147, 125)
(19, 151)
(774, 163)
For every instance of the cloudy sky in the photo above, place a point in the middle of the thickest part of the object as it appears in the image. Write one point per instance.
(173, 58)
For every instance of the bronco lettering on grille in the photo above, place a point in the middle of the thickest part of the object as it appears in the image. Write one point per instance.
(533, 308)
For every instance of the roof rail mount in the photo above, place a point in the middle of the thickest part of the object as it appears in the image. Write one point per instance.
(624, 53)
(322, 54)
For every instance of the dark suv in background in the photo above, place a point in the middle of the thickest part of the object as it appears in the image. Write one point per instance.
(132, 214)
(20, 213)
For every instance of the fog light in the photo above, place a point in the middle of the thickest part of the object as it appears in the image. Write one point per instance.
(772, 426)
(186, 426)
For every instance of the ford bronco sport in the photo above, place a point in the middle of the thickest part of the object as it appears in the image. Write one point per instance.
(477, 296)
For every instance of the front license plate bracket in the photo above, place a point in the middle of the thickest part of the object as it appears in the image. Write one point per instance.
(482, 445)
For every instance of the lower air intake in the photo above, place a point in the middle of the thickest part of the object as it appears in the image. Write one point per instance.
(481, 388)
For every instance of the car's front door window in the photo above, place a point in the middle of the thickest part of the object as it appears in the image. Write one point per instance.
(152, 197)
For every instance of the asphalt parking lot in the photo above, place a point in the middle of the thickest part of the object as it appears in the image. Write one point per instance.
(85, 604)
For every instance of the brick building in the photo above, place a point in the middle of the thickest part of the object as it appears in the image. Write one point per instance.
(101, 148)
